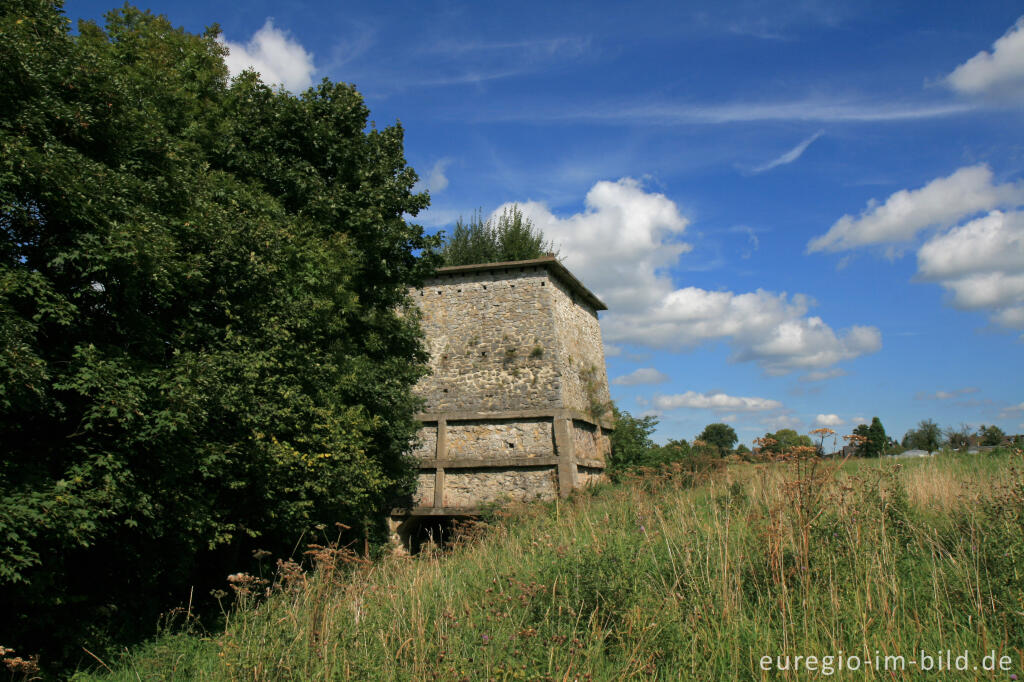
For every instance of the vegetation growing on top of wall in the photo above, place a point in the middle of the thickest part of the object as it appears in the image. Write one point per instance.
(511, 236)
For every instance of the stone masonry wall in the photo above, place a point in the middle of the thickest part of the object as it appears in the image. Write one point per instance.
(491, 341)
(581, 355)
(501, 438)
(472, 487)
(591, 444)
(519, 344)
(426, 442)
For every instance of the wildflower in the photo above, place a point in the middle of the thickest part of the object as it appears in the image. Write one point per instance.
(485, 639)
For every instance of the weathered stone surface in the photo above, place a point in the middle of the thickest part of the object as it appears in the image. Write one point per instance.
(589, 476)
(521, 344)
(488, 336)
(426, 443)
(473, 487)
(581, 354)
(424, 496)
(500, 439)
(591, 443)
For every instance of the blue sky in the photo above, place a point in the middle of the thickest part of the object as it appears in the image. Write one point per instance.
(799, 213)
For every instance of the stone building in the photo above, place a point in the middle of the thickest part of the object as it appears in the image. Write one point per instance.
(517, 399)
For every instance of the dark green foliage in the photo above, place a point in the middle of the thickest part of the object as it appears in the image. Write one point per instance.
(991, 435)
(205, 344)
(875, 440)
(672, 451)
(631, 439)
(784, 441)
(511, 237)
(958, 437)
(927, 436)
(722, 436)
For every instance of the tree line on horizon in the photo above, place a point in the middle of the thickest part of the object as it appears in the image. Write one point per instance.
(633, 445)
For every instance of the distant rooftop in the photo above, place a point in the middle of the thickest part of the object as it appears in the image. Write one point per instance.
(549, 262)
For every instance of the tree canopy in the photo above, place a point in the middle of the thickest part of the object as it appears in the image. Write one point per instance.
(927, 436)
(631, 440)
(205, 338)
(722, 436)
(512, 236)
(784, 440)
(874, 440)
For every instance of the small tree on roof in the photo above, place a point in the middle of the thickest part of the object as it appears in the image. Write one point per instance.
(512, 236)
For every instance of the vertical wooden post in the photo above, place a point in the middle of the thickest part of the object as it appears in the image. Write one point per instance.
(441, 454)
(565, 448)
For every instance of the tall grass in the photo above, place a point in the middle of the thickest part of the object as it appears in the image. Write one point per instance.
(653, 579)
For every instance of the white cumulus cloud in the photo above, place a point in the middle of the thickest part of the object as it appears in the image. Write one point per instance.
(998, 74)
(272, 53)
(940, 203)
(829, 420)
(623, 245)
(982, 264)
(640, 377)
(719, 402)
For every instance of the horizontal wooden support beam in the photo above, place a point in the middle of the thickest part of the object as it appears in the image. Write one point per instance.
(514, 415)
(436, 511)
(488, 462)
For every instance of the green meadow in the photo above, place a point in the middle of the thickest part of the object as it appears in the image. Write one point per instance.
(664, 575)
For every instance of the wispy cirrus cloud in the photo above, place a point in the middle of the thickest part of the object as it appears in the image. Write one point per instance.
(817, 109)
(454, 62)
(790, 156)
(948, 395)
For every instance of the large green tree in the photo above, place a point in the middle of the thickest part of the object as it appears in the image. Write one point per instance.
(927, 436)
(206, 344)
(784, 440)
(722, 436)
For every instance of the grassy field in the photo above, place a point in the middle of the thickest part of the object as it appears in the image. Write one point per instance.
(656, 578)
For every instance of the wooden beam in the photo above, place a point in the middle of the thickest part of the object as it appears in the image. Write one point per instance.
(515, 415)
(488, 462)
